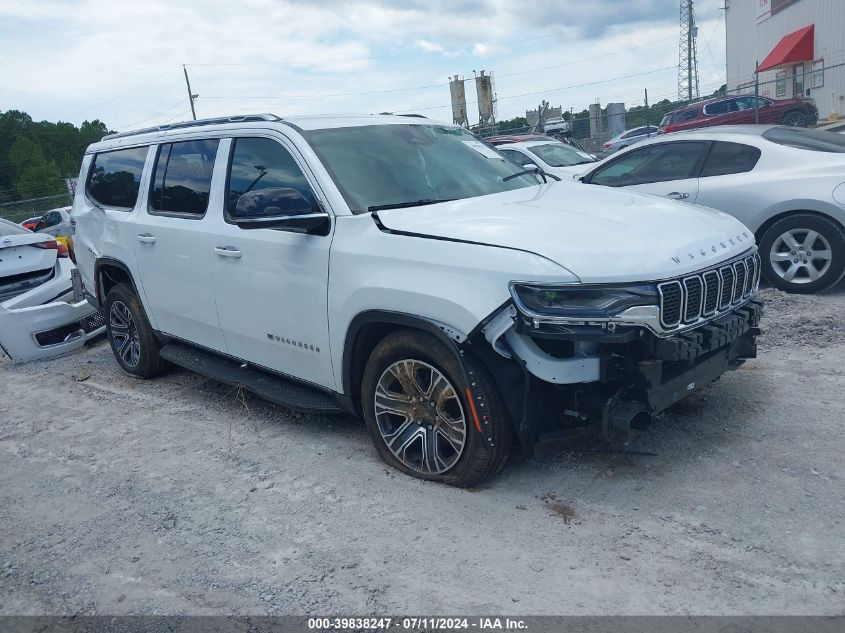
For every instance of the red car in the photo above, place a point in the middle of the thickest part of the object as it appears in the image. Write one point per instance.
(517, 138)
(740, 110)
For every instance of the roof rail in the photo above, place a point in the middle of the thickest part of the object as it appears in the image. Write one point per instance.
(242, 118)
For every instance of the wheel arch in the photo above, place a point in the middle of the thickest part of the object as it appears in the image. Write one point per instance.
(109, 272)
(368, 328)
(765, 226)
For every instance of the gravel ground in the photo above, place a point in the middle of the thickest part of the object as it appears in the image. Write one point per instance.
(180, 496)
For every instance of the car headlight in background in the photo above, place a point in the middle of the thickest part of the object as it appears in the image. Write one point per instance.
(580, 301)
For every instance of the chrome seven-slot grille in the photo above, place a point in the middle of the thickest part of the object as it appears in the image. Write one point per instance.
(687, 300)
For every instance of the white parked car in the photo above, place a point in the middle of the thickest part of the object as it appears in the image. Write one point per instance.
(401, 270)
(786, 184)
(55, 222)
(42, 314)
(553, 157)
(629, 137)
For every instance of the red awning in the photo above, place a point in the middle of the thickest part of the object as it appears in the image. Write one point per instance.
(793, 48)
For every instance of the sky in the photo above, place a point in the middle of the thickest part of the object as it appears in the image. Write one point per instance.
(121, 62)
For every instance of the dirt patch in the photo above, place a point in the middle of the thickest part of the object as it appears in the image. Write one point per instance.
(181, 496)
(559, 508)
(801, 320)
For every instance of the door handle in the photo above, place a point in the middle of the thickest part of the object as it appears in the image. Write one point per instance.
(146, 238)
(677, 195)
(227, 251)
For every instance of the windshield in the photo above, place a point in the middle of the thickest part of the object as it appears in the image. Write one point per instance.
(559, 155)
(667, 119)
(383, 166)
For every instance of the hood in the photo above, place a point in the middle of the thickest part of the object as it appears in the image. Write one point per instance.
(571, 171)
(600, 234)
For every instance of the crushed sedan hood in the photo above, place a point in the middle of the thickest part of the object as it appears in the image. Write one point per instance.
(599, 234)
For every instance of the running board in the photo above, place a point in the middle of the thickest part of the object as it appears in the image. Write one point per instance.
(263, 384)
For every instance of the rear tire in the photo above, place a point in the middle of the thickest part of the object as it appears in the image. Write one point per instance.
(130, 335)
(796, 118)
(803, 253)
(423, 408)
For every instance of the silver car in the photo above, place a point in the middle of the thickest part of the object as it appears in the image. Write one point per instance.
(786, 184)
(629, 137)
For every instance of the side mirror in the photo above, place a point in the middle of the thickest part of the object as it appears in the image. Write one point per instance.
(531, 166)
(280, 208)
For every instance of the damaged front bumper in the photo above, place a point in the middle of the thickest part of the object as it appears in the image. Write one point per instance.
(608, 378)
(50, 320)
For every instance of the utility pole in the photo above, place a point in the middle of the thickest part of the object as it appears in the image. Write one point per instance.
(647, 116)
(191, 96)
(687, 55)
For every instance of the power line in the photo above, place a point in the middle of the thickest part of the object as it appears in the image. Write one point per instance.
(311, 61)
(549, 90)
(154, 116)
(441, 85)
(122, 94)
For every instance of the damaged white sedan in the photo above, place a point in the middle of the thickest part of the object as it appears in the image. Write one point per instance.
(42, 310)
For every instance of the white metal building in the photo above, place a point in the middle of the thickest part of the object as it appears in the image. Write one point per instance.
(799, 45)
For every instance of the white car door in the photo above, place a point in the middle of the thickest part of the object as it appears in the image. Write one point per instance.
(669, 170)
(173, 240)
(272, 284)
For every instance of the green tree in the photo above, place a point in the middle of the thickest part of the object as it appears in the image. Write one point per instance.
(39, 180)
(35, 157)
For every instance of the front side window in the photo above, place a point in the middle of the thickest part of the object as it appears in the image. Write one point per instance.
(182, 177)
(730, 158)
(49, 219)
(115, 177)
(559, 155)
(260, 164)
(518, 157)
(656, 163)
(720, 107)
(403, 165)
(685, 115)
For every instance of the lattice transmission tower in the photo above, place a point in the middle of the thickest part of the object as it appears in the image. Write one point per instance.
(687, 54)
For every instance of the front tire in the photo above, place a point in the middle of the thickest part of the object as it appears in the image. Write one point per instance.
(424, 407)
(803, 253)
(130, 335)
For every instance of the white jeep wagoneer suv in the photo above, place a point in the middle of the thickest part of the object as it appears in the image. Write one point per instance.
(401, 270)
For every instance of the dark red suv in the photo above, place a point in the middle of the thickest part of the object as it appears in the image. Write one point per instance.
(740, 110)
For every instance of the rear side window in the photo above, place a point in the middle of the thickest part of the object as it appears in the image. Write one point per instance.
(182, 177)
(115, 177)
(730, 158)
(813, 140)
(262, 163)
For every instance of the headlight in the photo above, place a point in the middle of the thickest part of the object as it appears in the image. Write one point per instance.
(582, 301)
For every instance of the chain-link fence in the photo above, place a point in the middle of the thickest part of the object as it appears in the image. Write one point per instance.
(21, 210)
(592, 127)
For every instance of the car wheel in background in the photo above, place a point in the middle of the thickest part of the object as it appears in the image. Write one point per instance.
(803, 253)
(425, 411)
(796, 118)
(131, 338)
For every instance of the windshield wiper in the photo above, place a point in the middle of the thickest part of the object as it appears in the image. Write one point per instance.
(402, 205)
(535, 171)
